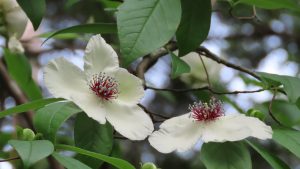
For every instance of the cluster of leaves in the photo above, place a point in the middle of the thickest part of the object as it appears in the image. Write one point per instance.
(143, 26)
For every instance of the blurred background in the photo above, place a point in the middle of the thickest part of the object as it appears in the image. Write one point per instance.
(268, 42)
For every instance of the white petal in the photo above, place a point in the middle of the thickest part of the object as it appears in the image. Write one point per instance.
(234, 128)
(99, 56)
(64, 79)
(130, 87)
(130, 121)
(179, 133)
(91, 105)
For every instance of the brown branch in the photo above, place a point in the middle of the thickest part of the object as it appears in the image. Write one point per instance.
(151, 59)
(205, 52)
(10, 159)
(152, 114)
(270, 108)
(15, 93)
(202, 89)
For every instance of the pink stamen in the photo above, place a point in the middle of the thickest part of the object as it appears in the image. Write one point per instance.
(207, 111)
(105, 87)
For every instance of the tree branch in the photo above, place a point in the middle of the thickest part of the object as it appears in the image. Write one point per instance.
(10, 159)
(205, 52)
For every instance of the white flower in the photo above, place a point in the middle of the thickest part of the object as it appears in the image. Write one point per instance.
(14, 17)
(208, 123)
(104, 91)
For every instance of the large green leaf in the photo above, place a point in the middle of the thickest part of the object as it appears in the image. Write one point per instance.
(34, 9)
(94, 28)
(32, 151)
(194, 25)
(272, 4)
(288, 138)
(273, 160)
(287, 113)
(119, 163)
(290, 84)
(48, 119)
(179, 66)
(20, 70)
(144, 26)
(92, 136)
(28, 106)
(228, 155)
(70, 163)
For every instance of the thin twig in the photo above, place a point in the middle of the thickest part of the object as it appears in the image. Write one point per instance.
(206, 72)
(10, 159)
(205, 52)
(253, 16)
(270, 108)
(204, 88)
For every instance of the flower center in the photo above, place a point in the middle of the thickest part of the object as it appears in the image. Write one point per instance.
(104, 86)
(207, 111)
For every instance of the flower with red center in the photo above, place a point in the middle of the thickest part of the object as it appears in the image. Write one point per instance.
(103, 90)
(206, 122)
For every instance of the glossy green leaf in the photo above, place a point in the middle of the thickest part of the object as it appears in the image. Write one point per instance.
(288, 138)
(272, 4)
(48, 119)
(228, 155)
(20, 70)
(32, 151)
(290, 84)
(144, 26)
(273, 160)
(69, 163)
(119, 163)
(179, 66)
(194, 25)
(95, 28)
(35, 10)
(92, 136)
(28, 106)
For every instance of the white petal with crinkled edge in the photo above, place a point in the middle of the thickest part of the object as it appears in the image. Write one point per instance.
(130, 121)
(64, 79)
(91, 105)
(130, 87)
(234, 128)
(179, 133)
(99, 56)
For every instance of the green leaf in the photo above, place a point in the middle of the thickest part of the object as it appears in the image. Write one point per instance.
(290, 84)
(20, 70)
(179, 66)
(92, 136)
(69, 163)
(95, 28)
(273, 160)
(28, 106)
(272, 4)
(48, 119)
(228, 155)
(35, 10)
(144, 26)
(119, 163)
(194, 25)
(32, 151)
(288, 138)
(287, 113)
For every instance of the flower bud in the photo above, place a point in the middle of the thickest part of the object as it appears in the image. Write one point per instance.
(256, 113)
(28, 135)
(149, 166)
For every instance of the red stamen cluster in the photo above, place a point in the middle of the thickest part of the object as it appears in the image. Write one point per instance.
(207, 111)
(104, 86)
